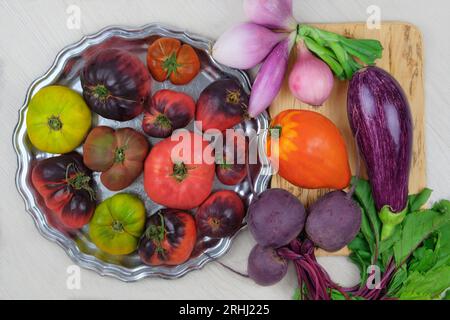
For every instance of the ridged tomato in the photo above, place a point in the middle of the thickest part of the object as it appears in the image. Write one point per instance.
(168, 58)
(312, 152)
(177, 174)
(66, 186)
(118, 154)
(169, 238)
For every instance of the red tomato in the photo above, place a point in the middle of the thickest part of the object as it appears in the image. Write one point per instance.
(177, 175)
(167, 58)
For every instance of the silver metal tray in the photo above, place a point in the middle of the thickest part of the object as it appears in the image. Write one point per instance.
(65, 71)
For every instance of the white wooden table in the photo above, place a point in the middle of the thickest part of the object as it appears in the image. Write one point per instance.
(31, 34)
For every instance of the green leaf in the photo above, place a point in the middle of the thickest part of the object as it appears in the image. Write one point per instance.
(417, 227)
(417, 201)
(442, 249)
(363, 194)
(429, 285)
(397, 282)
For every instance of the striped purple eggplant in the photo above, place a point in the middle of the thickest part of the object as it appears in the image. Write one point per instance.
(380, 118)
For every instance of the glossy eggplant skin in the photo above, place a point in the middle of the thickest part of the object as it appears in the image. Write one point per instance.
(380, 118)
(116, 84)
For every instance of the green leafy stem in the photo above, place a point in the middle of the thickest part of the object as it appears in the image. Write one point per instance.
(343, 55)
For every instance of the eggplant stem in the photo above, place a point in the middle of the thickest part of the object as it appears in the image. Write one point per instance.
(390, 220)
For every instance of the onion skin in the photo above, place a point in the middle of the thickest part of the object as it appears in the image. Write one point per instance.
(380, 118)
(270, 77)
(276, 14)
(311, 80)
(244, 46)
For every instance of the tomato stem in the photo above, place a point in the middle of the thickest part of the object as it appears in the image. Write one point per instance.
(171, 65)
(79, 181)
(233, 96)
(180, 171)
(275, 132)
(101, 92)
(157, 234)
(119, 155)
(163, 122)
(55, 123)
(117, 226)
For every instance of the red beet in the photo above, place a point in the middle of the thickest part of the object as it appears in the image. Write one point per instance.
(265, 266)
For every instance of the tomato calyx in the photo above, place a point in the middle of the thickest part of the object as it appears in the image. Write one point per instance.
(223, 164)
(55, 123)
(118, 226)
(119, 156)
(234, 97)
(214, 223)
(180, 171)
(171, 65)
(275, 132)
(163, 122)
(156, 234)
(79, 181)
(101, 92)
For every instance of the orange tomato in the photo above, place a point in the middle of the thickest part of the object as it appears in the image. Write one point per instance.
(311, 151)
(167, 58)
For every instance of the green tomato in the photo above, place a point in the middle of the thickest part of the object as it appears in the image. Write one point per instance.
(117, 224)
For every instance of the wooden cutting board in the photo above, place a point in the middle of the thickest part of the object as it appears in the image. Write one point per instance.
(403, 58)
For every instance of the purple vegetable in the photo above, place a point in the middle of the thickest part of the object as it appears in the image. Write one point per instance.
(265, 266)
(333, 221)
(275, 14)
(380, 119)
(244, 46)
(270, 77)
(276, 218)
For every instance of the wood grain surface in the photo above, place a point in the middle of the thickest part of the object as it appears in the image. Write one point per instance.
(403, 58)
(32, 33)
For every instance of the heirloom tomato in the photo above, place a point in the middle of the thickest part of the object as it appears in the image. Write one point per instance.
(178, 174)
(168, 58)
(66, 186)
(222, 105)
(169, 238)
(167, 111)
(58, 119)
(231, 168)
(116, 84)
(117, 224)
(221, 215)
(118, 154)
(311, 150)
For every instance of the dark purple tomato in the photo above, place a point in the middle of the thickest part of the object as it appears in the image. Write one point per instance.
(167, 111)
(222, 105)
(67, 187)
(231, 167)
(116, 84)
(221, 215)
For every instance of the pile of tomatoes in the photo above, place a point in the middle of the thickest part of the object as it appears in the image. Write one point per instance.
(117, 85)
